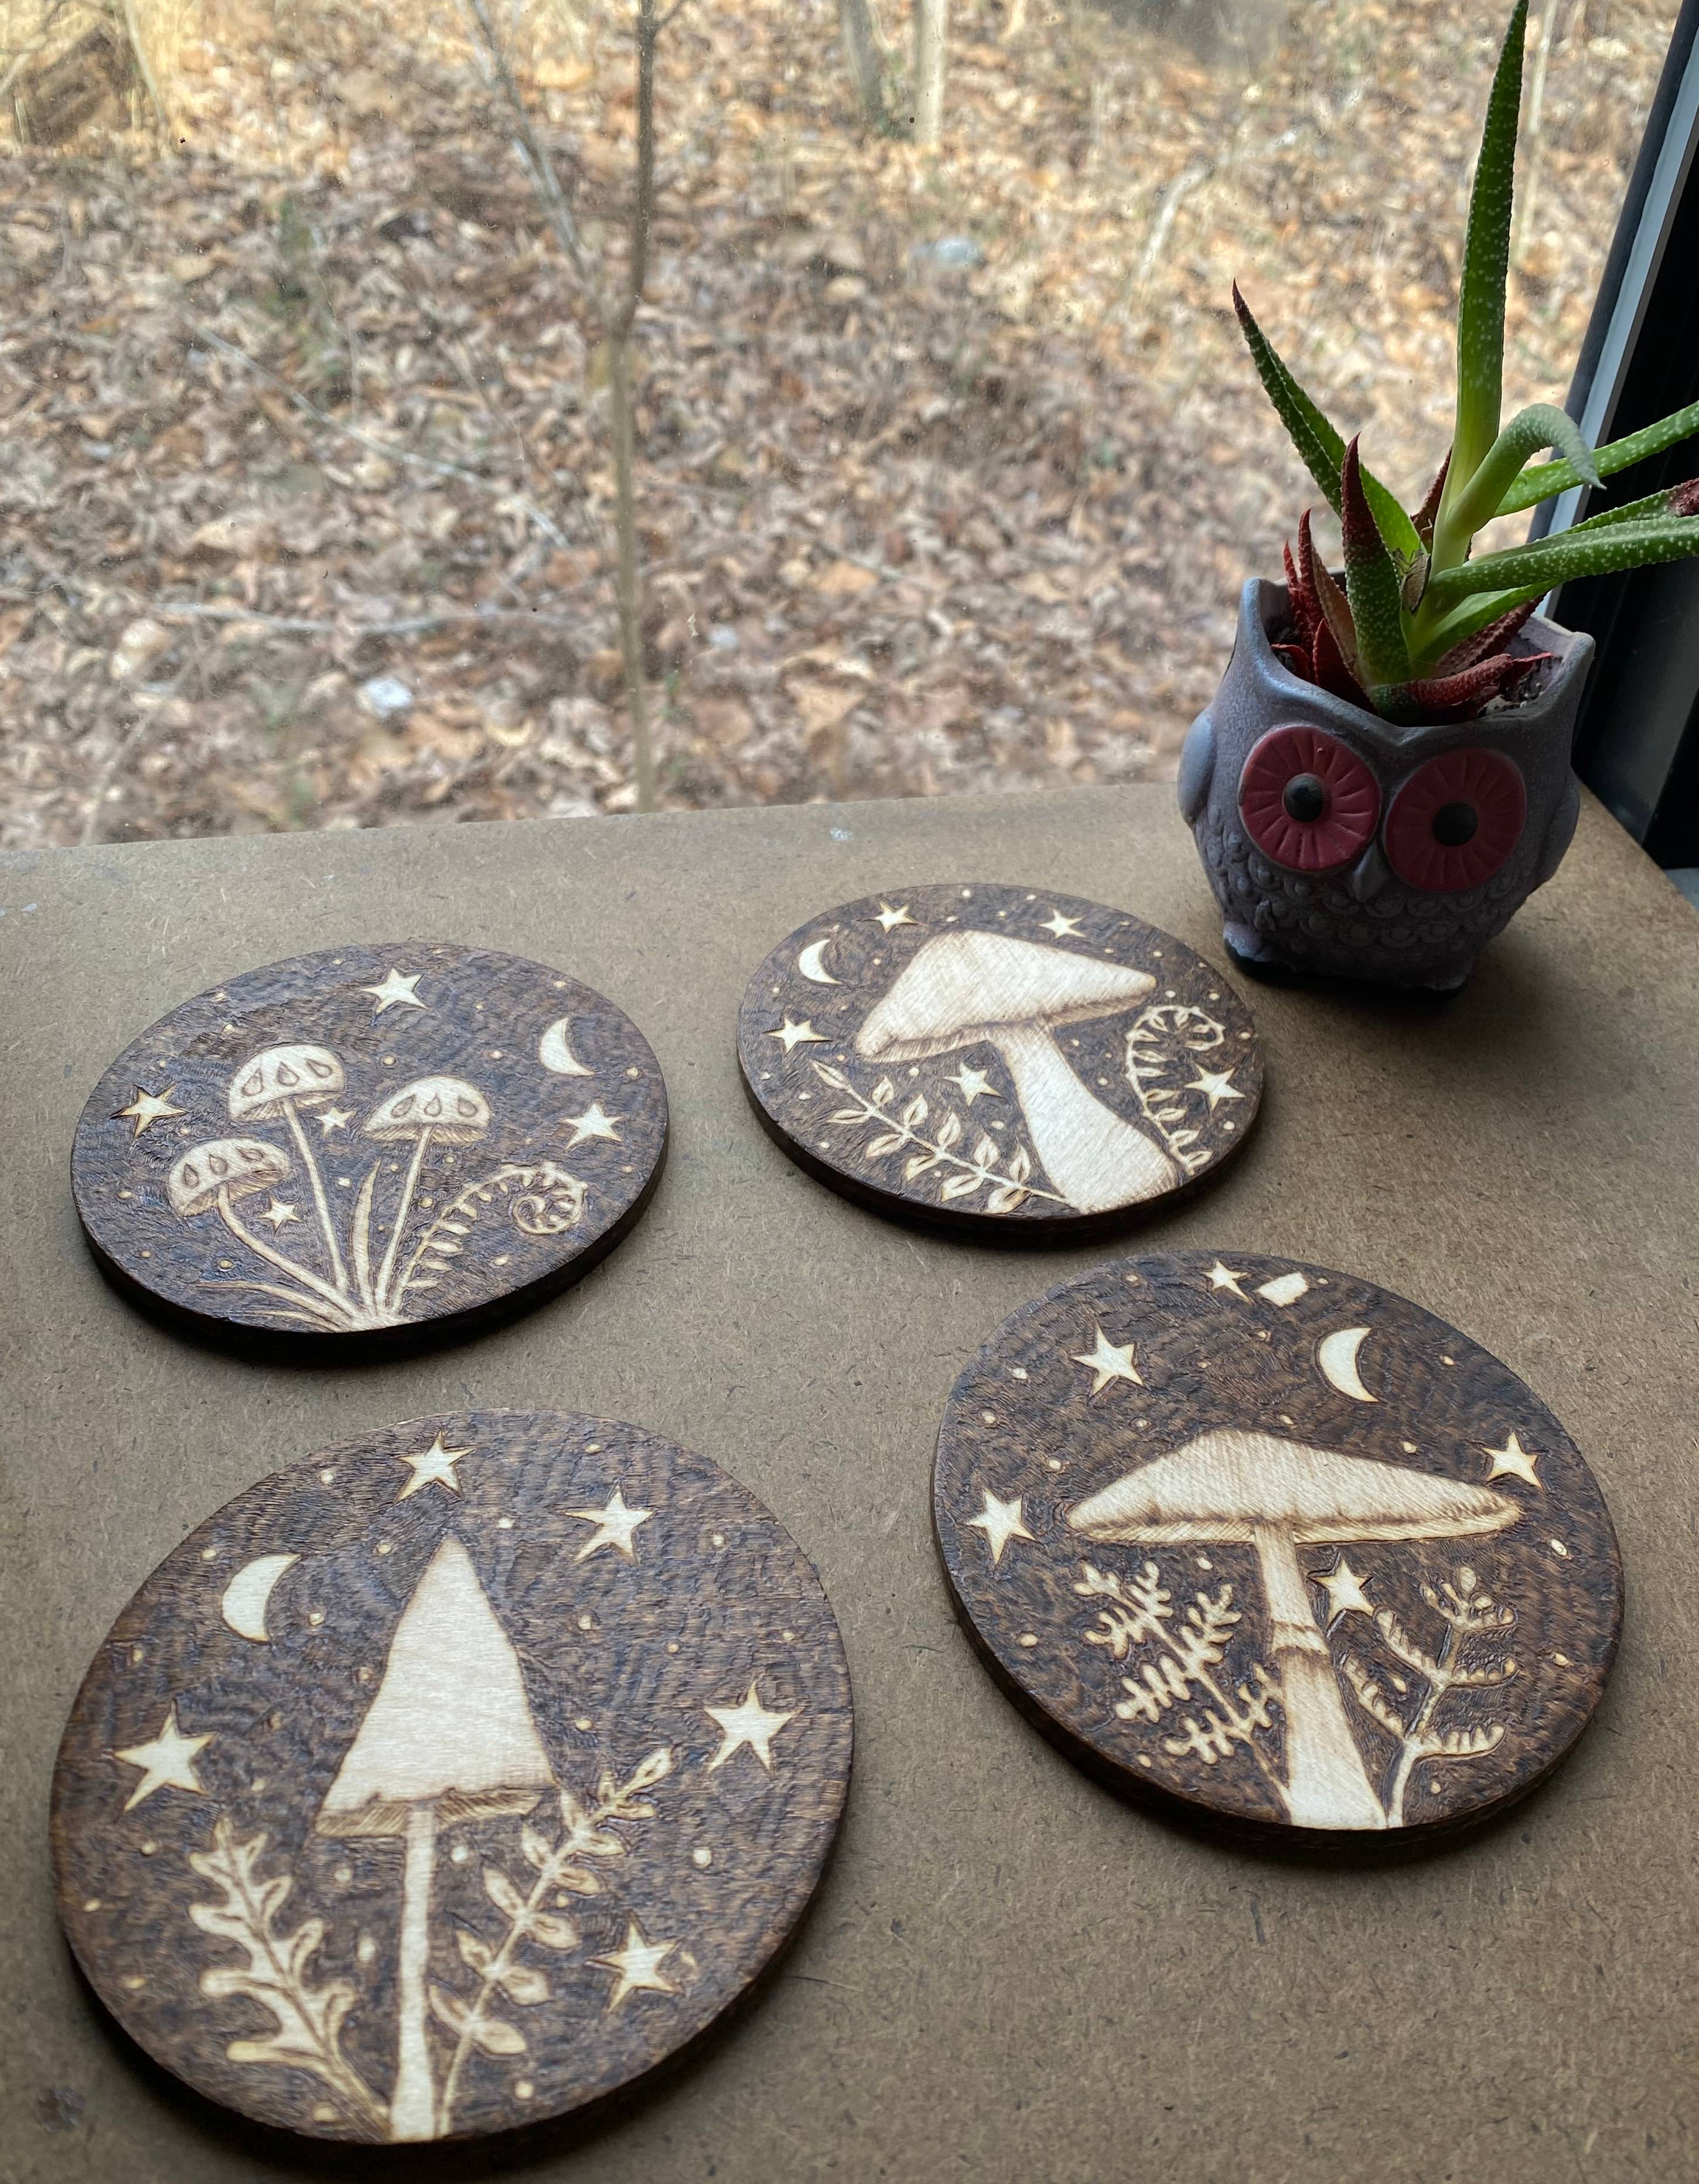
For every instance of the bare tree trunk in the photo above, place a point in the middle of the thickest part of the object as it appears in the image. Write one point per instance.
(930, 21)
(618, 311)
(862, 50)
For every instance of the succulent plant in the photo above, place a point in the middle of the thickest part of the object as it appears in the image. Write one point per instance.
(1419, 631)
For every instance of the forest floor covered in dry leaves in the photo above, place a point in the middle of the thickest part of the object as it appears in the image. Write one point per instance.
(949, 464)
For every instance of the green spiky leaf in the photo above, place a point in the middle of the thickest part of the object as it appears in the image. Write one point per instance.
(1321, 448)
(1372, 583)
(1542, 480)
(1539, 426)
(1486, 263)
(1583, 552)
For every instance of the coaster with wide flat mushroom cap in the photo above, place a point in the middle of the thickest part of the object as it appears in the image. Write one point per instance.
(984, 1057)
(1276, 1545)
(370, 1145)
(453, 1777)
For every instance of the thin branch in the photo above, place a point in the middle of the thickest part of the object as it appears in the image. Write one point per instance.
(533, 154)
(387, 449)
(402, 625)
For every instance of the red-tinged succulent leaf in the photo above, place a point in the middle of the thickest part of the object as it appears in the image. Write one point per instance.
(1424, 515)
(1438, 699)
(1301, 599)
(1371, 581)
(1334, 607)
(1329, 671)
(1493, 638)
(1684, 499)
(1294, 658)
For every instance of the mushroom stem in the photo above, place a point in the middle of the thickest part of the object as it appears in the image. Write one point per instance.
(338, 1270)
(1095, 1159)
(1327, 1785)
(388, 1268)
(274, 1257)
(413, 2104)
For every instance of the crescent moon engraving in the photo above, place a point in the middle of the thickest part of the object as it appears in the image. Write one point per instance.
(553, 1052)
(249, 1594)
(811, 966)
(1336, 1355)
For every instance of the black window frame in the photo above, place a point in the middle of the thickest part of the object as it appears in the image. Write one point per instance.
(1637, 738)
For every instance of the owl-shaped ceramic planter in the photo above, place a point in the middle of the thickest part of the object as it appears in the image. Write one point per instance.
(1338, 844)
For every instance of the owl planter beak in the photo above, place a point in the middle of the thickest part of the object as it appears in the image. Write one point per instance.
(1340, 844)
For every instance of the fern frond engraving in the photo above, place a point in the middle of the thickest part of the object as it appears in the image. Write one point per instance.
(308, 2018)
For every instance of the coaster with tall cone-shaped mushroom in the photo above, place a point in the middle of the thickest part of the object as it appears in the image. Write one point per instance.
(453, 1777)
(370, 1146)
(1276, 1546)
(996, 1060)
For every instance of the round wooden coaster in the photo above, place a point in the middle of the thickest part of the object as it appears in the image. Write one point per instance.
(453, 1777)
(1276, 1544)
(365, 1145)
(998, 1060)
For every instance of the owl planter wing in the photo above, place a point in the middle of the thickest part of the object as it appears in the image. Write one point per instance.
(1340, 844)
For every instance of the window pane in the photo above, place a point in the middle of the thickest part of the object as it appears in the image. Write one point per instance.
(949, 461)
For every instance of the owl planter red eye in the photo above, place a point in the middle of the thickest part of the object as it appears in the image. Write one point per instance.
(1307, 801)
(1455, 821)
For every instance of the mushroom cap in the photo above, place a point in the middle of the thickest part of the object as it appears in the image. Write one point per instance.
(238, 1165)
(308, 1075)
(447, 1106)
(1227, 1485)
(961, 988)
(451, 1725)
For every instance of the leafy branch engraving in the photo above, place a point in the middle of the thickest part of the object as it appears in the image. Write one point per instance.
(979, 1171)
(1140, 1613)
(1467, 1612)
(1161, 1036)
(586, 1833)
(308, 2018)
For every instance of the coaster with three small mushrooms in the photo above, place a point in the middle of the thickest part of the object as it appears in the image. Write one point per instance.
(1276, 1549)
(454, 1778)
(369, 1147)
(1005, 1062)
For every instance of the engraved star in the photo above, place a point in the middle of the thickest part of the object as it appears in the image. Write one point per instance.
(1223, 1278)
(336, 1118)
(594, 1122)
(751, 1724)
(638, 1966)
(1513, 1460)
(435, 1467)
(1065, 929)
(1217, 1084)
(167, 1761)
(149, 1107)
(1000, 1522)
(889, 918)
(280, 1214)
(395, 990)
(973, 1082)
(1344, 1589)
(797, 1035)
(614, 1525)
(1108, 1362)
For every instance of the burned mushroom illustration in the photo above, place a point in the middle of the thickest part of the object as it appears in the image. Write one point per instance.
(445, 1109)
(212, 1178)
(449, 1739)
(282, 1082)
(386, 1224)
(962, 989)
(1234, 1487)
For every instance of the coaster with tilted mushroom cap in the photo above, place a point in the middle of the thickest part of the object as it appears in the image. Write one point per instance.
(370, 1146)
(1002, 1061)
(1276, 1547)
(453, 1777)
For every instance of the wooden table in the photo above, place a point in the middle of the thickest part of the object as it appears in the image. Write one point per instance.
(1009, 1975)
